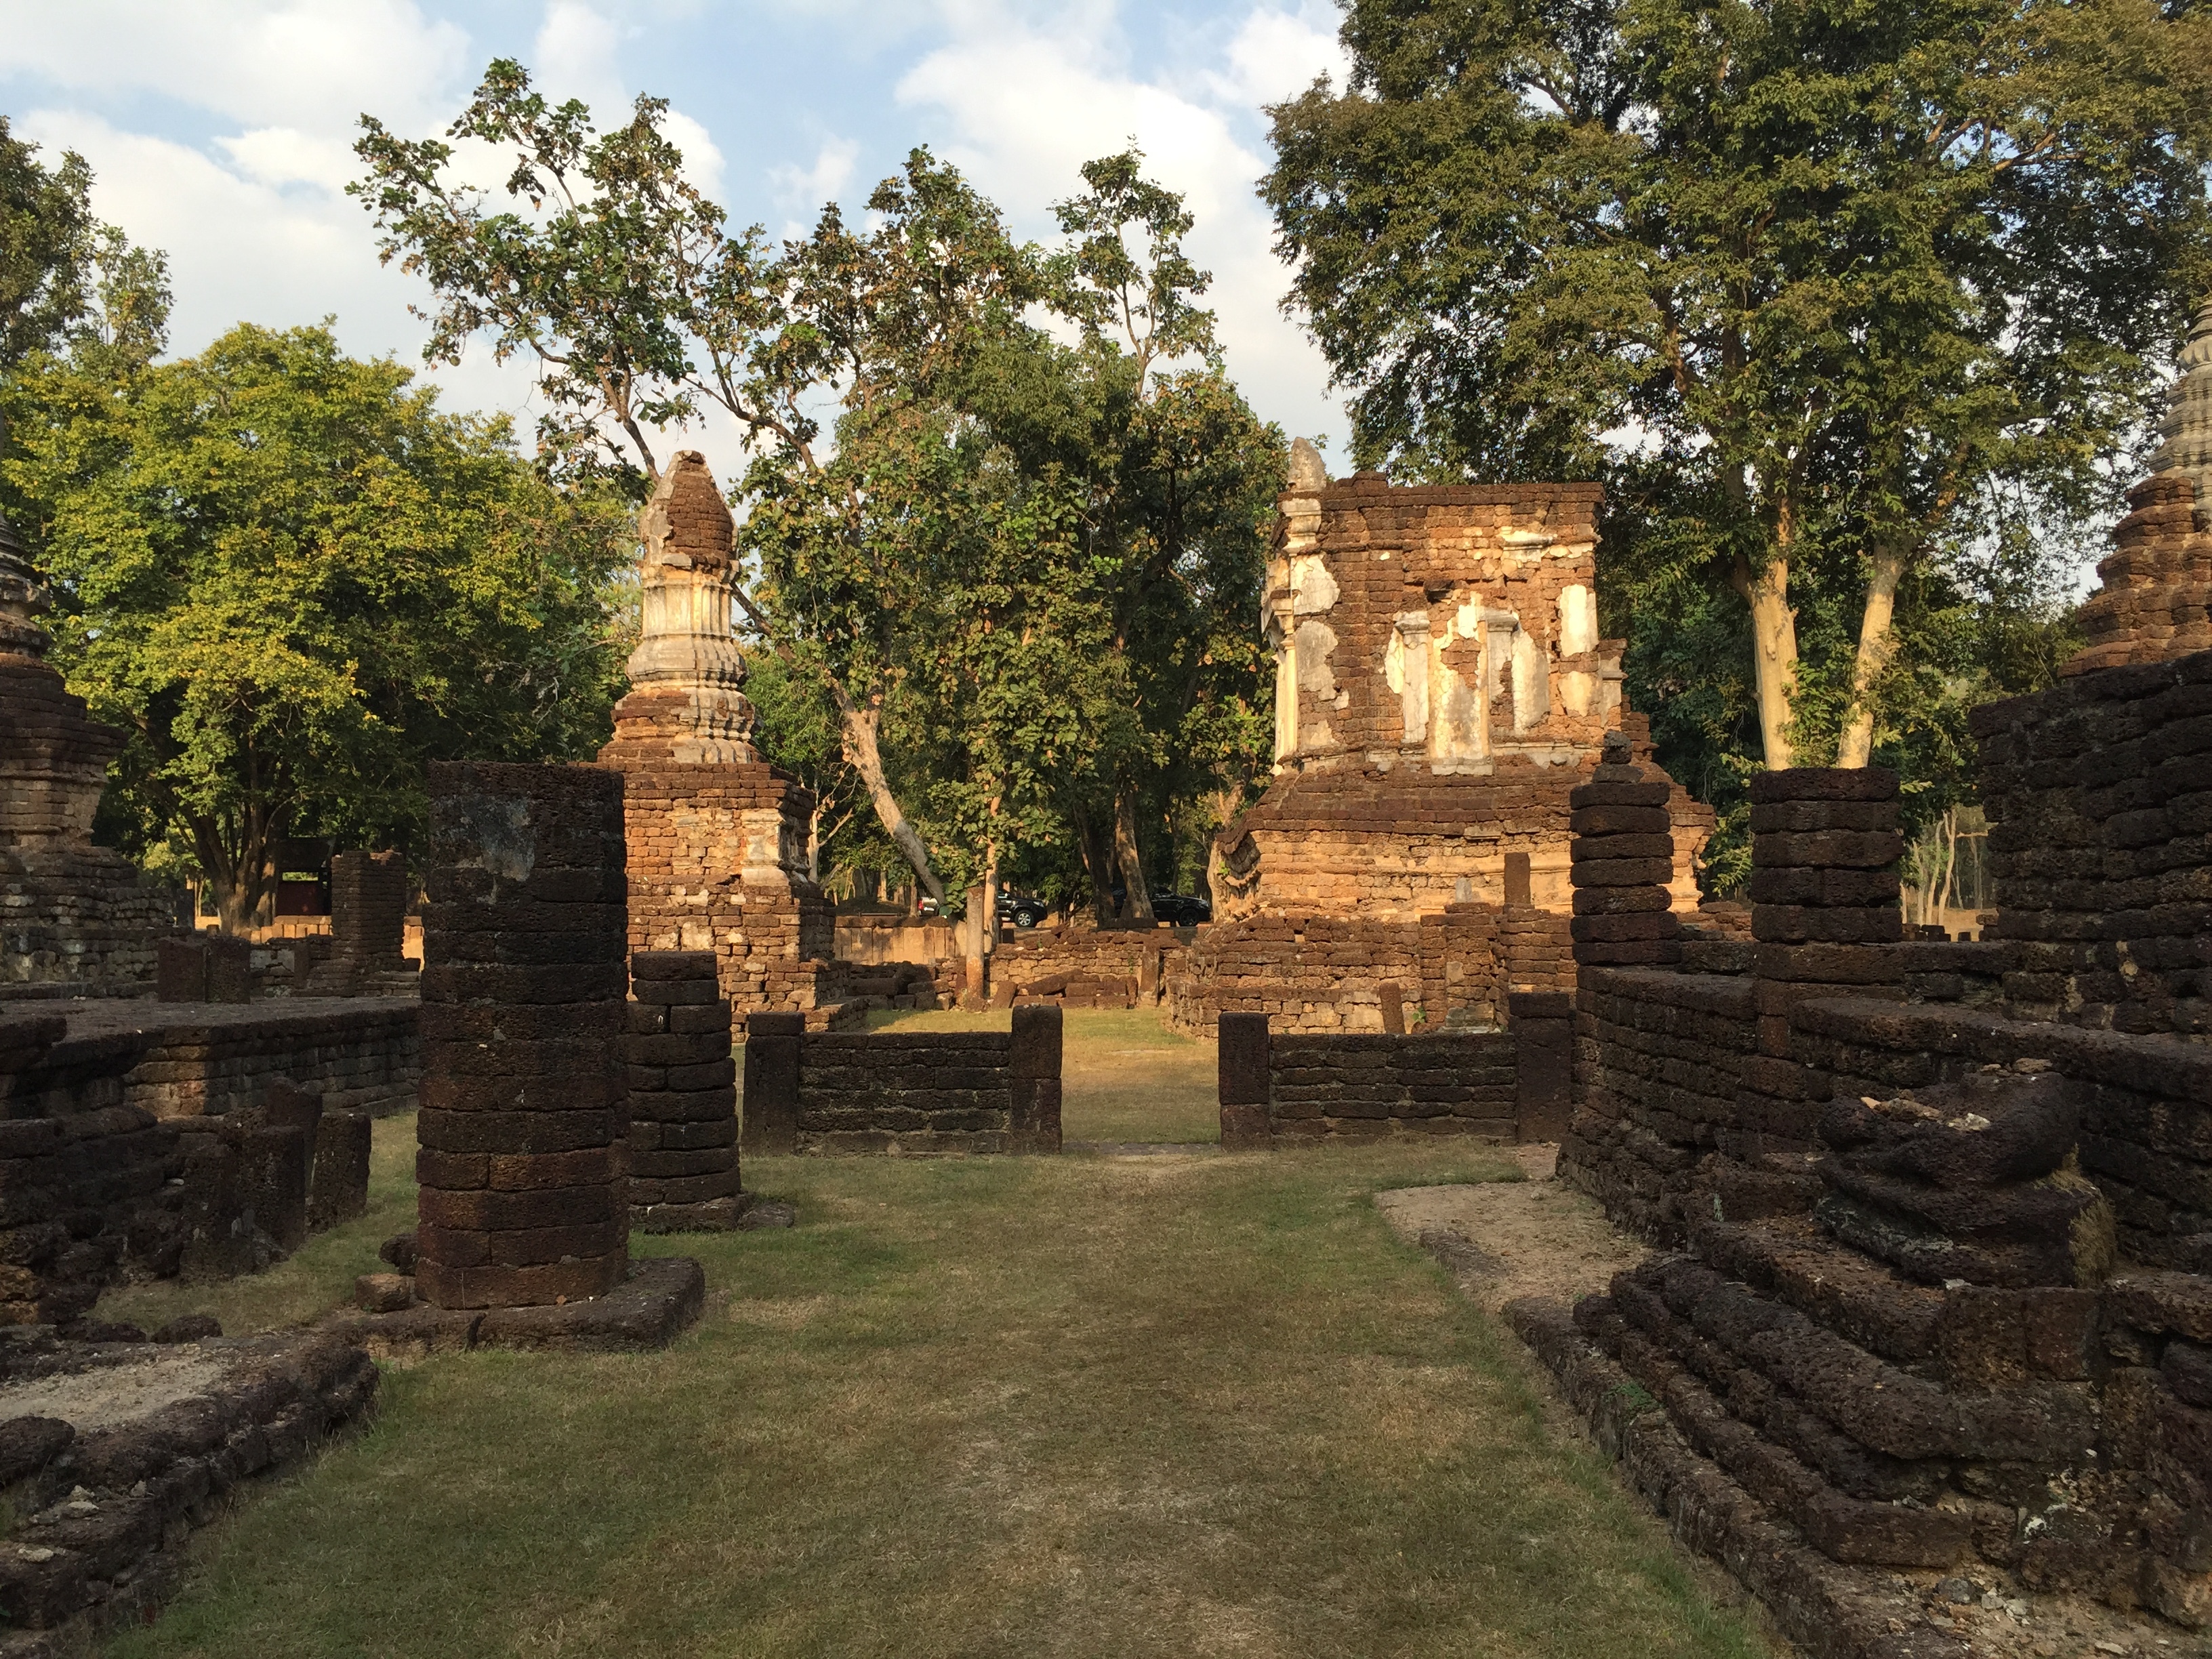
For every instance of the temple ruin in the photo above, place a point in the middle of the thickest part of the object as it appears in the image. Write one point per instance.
(1441, 687)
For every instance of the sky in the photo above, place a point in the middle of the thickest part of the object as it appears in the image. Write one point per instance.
(220, 131)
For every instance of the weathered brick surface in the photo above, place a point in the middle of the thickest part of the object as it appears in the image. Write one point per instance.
(2100, 847)
(681, 1154)
(931, 1093)
(526, 917)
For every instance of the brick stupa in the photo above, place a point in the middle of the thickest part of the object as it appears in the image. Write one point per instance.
(70, 912)
(2155, 604)
(717, 838)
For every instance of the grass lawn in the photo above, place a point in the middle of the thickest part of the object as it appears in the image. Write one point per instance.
(1082, 1406)
(1126, 1077)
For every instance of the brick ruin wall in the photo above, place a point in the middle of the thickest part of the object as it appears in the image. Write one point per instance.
(1087, 967)
(1320, 975)
(903, 1093)
(94, 1184)
(361, 1056)
(1937, 1222)
(2100, 798)
(710, 848)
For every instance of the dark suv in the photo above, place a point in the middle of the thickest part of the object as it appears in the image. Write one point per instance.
(1182, 910)
(1021, 911)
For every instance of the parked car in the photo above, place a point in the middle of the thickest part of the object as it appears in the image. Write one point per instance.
(1182, 910)
(1021, 909)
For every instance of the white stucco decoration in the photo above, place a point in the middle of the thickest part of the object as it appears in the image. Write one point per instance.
(1577, 621)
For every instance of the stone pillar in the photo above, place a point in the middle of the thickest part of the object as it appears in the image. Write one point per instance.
(1543, 1063)
(524, 971)
(1824, 906)
(1624, 857)
(1391, 996)
(368, 909)
(683, 1148)
(1824, 890)
(1034, 1079)
(772, 1044)
(1244, 1089)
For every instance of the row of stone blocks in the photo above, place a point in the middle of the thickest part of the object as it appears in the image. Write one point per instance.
(906, 1093)
(1623, 857)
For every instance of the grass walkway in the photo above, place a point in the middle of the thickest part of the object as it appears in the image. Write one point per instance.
(1072, 1406)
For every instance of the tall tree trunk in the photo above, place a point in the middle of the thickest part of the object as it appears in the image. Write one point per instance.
(1773, 650)
(1126, 854)
(1877, 644)
(237, 872)
(1098, 865)
(858, 723)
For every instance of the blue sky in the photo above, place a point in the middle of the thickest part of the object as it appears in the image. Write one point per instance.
(220, 131)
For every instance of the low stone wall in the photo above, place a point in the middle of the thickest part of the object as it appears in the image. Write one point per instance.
(904, 1093)
(202, 1060)
(1283, 1090)
(1321, 975)
(869, 938)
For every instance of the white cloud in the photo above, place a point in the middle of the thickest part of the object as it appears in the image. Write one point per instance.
(298, 62)
(1028, 108)
(804, 189)
(574, 56)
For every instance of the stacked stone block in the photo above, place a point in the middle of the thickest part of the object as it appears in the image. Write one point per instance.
(2100, 798)
(523, 1096)
(682, 1157)
(1623, 856)
(2155, 600)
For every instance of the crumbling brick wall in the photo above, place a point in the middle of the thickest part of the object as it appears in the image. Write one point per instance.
(1942, 1295)
(710, 851)
(1084, 966)
(80, 1169)
(2100, 846)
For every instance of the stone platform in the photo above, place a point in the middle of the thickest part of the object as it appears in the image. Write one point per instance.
(660, 1300)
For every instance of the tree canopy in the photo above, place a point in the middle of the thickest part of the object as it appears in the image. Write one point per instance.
(293, 580)
(1855, 305)
(1006, 560)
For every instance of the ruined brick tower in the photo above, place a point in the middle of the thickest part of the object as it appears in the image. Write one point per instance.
(70, 912)
(717, 838)
(1440, 689)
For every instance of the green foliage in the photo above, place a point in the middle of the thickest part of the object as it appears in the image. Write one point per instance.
(293, 581)
(1022, 571)
(1820, 285)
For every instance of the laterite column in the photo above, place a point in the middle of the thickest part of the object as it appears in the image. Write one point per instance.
(526, 969)
(682, 1096)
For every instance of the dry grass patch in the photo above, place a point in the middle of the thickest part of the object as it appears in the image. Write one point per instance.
(1042, 1407)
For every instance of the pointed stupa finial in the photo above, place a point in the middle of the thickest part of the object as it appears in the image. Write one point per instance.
(1307, 473)
(2187, 428)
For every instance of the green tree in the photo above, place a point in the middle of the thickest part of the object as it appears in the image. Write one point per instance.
(945, 510)
(1867, 279)
(292, 581)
